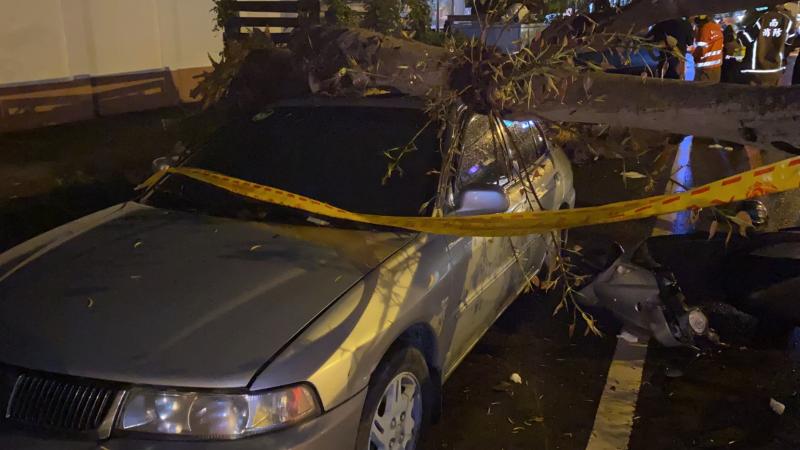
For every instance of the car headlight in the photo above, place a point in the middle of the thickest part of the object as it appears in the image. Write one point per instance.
(201, 415)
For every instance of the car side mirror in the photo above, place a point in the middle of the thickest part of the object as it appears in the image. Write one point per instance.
(479, 201)
(164, 163)
(161, 163)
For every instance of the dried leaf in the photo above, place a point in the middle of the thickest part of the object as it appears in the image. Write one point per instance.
(712, 230)
(262, 115)
(744, 221)
(587, 84)
(695, 216)
(730, 234)
(549, 284)
(633, 175)
(571, 330)
(558, 308)
(551, 85)
(375, 91)
(536, 281)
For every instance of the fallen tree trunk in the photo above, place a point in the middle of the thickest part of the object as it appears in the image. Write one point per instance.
(760, 116)
(765, 117)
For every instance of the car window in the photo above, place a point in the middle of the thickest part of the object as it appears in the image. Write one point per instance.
(334, 154)
(527, 143)
(479, 152)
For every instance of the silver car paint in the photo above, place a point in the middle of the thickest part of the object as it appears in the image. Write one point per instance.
(449, 288)
(442, 284)
(117, 302)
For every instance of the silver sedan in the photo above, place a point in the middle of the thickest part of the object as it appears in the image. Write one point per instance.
(193, 318)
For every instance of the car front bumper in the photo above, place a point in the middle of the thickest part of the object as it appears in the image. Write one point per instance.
(334, 430)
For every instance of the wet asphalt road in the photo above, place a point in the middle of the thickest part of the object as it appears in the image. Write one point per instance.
(715, 400)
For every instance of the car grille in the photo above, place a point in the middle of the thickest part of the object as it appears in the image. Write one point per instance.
(44, 402)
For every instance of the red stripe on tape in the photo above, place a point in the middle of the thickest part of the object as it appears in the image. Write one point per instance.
(731, 181)
(701, 190)
(794, 162)
(671, 200)
(764, 171)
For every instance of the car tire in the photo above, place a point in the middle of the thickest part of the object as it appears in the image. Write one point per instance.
(398, 372)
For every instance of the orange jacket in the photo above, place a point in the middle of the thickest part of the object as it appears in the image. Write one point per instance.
(708, 47)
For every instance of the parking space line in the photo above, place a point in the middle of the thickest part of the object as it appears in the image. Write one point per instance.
(613, 421)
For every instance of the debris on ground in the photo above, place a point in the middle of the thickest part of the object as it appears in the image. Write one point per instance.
(673, 372)
(777, 406)
(628, 337)
(633, 175)
(516, 378)
(503, 386)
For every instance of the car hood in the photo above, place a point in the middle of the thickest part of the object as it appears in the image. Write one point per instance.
(143, 295)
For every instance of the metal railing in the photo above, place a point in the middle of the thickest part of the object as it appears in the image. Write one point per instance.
(293, 13)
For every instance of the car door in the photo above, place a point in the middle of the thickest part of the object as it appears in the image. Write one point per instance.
(481, 272)
(533, 169)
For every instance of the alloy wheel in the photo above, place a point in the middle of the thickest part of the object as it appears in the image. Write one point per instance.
(398, 417)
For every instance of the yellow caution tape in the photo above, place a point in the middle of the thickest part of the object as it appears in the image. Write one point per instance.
(779, 177)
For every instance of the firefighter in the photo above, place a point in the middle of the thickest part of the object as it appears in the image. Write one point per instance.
(734, 52)
(767, 39)
(708, 50)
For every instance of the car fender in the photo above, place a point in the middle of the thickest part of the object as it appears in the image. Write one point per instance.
(339, 351)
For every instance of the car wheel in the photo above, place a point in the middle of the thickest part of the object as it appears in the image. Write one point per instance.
(398, 404)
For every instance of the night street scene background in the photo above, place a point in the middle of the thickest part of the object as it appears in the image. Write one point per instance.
(399, 224)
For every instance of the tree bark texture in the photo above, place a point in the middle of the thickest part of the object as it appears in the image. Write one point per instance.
(766, 117)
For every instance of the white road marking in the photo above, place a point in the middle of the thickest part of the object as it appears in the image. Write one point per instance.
(613, 420)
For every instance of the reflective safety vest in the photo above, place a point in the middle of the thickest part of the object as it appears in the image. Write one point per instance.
(767, 40)
(708, 47)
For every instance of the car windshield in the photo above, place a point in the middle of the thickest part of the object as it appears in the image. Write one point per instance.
(335, 154)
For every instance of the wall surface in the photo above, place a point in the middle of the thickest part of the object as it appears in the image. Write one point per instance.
(63, 60)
